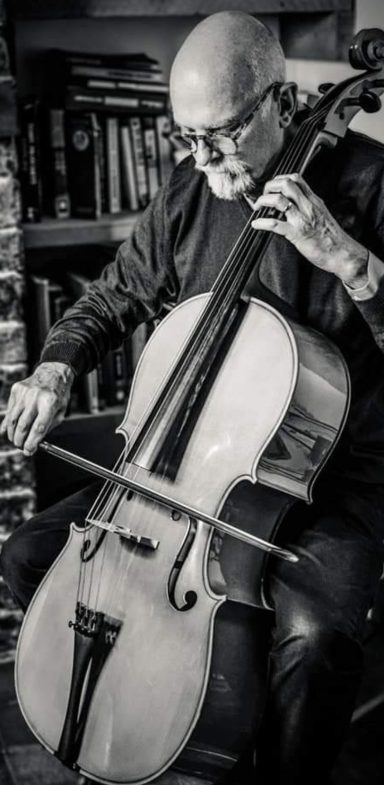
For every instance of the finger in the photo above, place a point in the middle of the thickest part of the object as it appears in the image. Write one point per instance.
(24, 424)
(293, 177)
(289, 189)
(6, 418)
(276, 200)
(42, 424)
(270, 225)
(12, 418)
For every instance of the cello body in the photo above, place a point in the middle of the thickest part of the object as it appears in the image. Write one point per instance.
(126, 690)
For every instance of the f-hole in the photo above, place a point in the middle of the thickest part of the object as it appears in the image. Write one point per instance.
(190, 597)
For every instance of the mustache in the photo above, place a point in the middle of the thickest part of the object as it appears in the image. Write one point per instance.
(229, 166)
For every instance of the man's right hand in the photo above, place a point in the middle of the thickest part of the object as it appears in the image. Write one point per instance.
(36, 404)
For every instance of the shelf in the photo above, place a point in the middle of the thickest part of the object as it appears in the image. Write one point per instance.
(75, 231)
(66, 9)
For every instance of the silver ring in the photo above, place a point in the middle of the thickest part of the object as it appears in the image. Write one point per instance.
(288, 207)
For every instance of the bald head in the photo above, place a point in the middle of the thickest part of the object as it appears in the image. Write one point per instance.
(227, 60)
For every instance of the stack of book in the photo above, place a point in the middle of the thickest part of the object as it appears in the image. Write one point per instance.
(104, 131)
(107, 385)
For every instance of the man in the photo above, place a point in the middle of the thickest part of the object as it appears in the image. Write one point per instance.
(235, 112)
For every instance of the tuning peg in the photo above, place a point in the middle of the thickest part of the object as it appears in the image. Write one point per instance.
(325, 86)
(369, 102)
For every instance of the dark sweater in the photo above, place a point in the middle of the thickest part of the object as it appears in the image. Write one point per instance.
(179, 246)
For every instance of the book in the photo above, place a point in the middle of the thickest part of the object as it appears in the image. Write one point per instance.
(164, 147)
(102, 154)
(128, 173)
(30, 160)
(136, 86)
(80, 74)
(112, 147)
(89, 392)
(55, 182)
(49, 304)
(83, 158)
(151, 154)
(138, 341)
(42, 310)
(66, 58)
(121, 378)
(139, 160)
(82, 98)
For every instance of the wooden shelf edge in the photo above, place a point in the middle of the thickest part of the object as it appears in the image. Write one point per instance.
(45, 9)
(51, 232)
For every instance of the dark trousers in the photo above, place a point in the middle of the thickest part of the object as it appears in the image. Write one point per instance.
(321, 605)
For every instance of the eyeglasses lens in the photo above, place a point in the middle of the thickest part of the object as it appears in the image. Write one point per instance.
(217, 141)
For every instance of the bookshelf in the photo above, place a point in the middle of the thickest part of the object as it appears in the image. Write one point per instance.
(43, 9)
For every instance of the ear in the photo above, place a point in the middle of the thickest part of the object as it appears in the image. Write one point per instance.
(287, 102)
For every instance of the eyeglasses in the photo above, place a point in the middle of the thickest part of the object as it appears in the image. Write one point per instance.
(226, 142)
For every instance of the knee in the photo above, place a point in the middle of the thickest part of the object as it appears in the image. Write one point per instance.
(14, 559)
(9, 558)
(322, 643)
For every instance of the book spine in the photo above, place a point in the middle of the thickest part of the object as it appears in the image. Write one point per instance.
(128, 169)
(80, 73)
(111, 62)
(139, 159)
(83, 155)
(90, 394)
(101, 387)
(164, 147)
(30, 172)
(59, 201)
(99, 101)
(113, 165)
(138, 341)
(134, 87)
(120, 375)
(102, 157)
(151, 155)
(41, 312)
(55, 294)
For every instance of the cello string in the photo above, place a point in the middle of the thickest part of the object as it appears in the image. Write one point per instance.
(111, 502)
(244, 245)
(244, 242)
(95, 531)
(232, 274)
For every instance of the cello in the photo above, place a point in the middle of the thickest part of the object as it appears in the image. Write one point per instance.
(122, 630)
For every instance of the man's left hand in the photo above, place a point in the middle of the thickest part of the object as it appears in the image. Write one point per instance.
(307, 223)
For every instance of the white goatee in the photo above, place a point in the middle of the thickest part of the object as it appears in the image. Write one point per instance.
(229, 178)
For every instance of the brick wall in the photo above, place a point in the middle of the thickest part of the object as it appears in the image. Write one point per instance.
(16, 472)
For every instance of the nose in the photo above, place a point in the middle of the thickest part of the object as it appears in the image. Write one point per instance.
(203, 153)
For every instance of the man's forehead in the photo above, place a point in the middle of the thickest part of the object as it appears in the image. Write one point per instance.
(210, 115)
(215, 126)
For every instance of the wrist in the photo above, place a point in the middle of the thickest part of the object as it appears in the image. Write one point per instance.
(62, 369)
(354, 270)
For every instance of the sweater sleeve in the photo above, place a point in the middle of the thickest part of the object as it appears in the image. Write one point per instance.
(372, 310)
(131, 289)
(371, 304)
